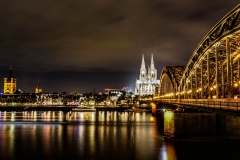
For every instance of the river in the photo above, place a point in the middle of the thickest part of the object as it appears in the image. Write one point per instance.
(105, 135)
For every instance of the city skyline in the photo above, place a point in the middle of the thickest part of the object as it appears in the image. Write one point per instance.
(76, 46)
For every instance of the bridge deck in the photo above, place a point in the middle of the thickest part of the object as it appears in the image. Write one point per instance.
(218, 106)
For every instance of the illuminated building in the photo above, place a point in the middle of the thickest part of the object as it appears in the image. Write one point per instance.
(147, 81)
(10, 83)
(38, 88)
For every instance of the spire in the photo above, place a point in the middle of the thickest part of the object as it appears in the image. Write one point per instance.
(10, 73)
(152, 63)
(143, 63)
(38, 85)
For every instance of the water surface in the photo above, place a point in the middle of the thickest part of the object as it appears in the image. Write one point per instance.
(100, 135)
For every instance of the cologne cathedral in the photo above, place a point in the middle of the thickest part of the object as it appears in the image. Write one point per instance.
(147, 81)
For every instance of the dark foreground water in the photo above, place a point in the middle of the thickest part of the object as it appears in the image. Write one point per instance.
(100, 135)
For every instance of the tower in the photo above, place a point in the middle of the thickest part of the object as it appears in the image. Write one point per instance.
(143, 72)
(9, 83)
(147, 81)
(152, 71)
(38, 88)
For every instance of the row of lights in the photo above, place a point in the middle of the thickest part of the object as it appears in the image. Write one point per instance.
(198, 90)
(172, 94)
(236, 84)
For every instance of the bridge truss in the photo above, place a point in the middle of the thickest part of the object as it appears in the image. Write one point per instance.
(213, 71)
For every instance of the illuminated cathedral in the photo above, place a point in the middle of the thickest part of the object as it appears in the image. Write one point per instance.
(147, 81)
(9, 83)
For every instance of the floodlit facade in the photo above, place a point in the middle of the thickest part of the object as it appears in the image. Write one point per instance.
(9, 83)
(147, 81)
(38, 88)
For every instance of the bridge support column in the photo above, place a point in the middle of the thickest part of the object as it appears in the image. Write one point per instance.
(208, 75)
(187, 90)
(232, 79)
(228, 68)
(184, 88)
(191, 93)
(154, 109)
(223, 85)
(201, 91)
(196, 83)
(238, 72)
(217, 68)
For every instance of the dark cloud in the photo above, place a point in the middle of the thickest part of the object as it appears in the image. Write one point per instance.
(67, 38)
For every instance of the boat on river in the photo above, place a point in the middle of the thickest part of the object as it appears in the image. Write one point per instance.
(136, 110)
(84, 109)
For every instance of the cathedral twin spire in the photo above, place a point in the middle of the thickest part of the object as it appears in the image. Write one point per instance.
(143, 63)
(151, 74)
(147, 81)
(152, 63)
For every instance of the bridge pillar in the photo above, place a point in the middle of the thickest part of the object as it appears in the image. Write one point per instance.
(184, 88)
(232, 79)
(201, 90)
(154, 109)
(195, 124)
(208, 75)
(228, 68)
(187, 88)
(238, 71)
(191, 86)
(217, 68)
(196, 83)
(181, 90)
(223, 85)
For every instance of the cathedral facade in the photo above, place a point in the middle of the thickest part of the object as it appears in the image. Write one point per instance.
(10, 83)
(147, 81)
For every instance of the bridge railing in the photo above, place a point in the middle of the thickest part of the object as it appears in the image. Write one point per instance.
(222, 104)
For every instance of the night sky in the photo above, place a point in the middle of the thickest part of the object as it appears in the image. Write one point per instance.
(79, 45)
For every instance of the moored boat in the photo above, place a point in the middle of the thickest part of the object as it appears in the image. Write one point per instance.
(84, 109)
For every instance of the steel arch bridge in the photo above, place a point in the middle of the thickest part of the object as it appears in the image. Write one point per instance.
(213, 70)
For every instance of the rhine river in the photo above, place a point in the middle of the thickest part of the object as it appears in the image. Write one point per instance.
(103, 135)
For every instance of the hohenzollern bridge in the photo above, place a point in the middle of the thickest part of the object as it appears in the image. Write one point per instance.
(212, 74)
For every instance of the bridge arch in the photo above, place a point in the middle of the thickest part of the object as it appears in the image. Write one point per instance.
(213, 70)
(169, 80)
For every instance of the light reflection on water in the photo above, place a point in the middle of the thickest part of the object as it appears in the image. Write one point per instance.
(98, 135)
(52, 116)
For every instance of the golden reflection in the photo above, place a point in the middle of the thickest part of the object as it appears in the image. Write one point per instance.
(35, 116)
(46, 138)
(53, 115)
(92, 141)
(12, 138)
(12, 116)
(5, 116)
(167, 151)
(169, 123)
(60, 116)
(153, 119)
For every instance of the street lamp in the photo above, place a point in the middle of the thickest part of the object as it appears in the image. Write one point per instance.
(211, 89)
(235, 88)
